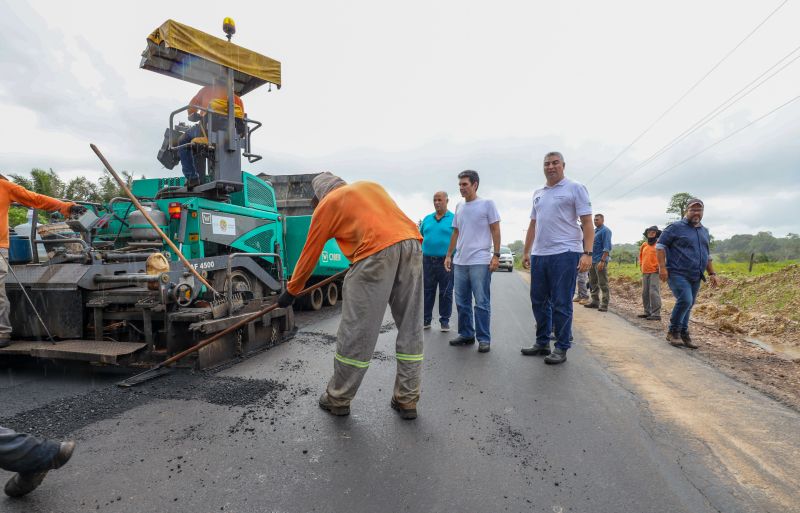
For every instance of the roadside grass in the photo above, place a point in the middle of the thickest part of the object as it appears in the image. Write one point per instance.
(734, 270)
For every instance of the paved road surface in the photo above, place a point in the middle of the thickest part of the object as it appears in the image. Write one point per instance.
(620, 428)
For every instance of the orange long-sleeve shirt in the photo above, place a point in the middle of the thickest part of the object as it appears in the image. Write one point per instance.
(363, 219)
(11, 192)
(208, 93)
(648, 260)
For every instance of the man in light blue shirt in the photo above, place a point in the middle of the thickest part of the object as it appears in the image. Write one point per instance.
(556, 249)
(436, 230)
(476, 228)
(598, 273)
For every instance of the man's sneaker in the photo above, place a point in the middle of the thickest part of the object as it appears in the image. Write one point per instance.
(407, 411)
(23, 484)
(325, 404)
(536, 350)
(426, 326)
(484, 347)
(591, 305)
(687, 340)
(556, 357)
(653, 317)
(445, 326)
(602, 308)
(643, 316)
(462, 341)
(674, 338)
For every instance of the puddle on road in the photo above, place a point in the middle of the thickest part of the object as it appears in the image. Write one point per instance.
(781, 350)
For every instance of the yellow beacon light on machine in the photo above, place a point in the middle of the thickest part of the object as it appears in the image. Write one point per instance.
(229, 26)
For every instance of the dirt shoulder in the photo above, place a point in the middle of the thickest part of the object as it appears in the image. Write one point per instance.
(729, 336)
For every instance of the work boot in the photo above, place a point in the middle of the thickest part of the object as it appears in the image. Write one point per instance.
(23, 484)
(602, 308)
(407, 411)
(687, 340)
(325, 404)
(5, 341)
(556, 357)
(191, 183)
(591, 305)
(536, 350)
(653, 317)
(577, 299)
(462, 341)
(674, 338)
(445, 326)
(643, 316)
(484, 347)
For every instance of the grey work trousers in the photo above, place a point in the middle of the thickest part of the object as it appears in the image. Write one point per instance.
(651, 294)
(5, 307)
(582, 289)
(394, 277)
(25, 453)
(598, 281)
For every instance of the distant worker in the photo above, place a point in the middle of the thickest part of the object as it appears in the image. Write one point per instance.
(651, 286)
(476, 229)
(13, 193)
(556, 250)
(31, 458)
(215, 99)
(436, 230)
(683, 257)
(598, 273)
(384, 246)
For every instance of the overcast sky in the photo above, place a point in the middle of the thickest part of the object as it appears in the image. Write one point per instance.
(409, 94)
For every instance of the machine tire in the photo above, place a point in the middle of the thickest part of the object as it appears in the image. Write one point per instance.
(331, 294)
(315, 299)
(242, 280)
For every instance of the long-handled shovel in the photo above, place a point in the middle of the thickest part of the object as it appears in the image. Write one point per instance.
(162, 368)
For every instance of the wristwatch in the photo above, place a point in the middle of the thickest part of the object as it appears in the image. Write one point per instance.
(588, 253)
(496, 254)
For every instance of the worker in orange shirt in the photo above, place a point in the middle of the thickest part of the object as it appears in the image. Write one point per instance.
(13, 193)
(651, 286)
(215, 99)
(383, 245)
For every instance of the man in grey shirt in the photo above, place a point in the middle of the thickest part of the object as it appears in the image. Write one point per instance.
(476, 228)
(556, 250)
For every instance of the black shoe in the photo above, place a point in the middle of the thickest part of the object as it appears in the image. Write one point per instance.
(536, 350)
(5, 342)
(462, 341)
(653, 317)
(674, 338)
(407, 411)
(591, 305)
(23, 484)
(643, 316)
(484, 347)
(325, 404)
(687, 340)
(602, 308)
(556, 357)
(426, 325)
(191, 183)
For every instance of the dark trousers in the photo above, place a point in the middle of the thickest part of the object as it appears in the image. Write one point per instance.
(435, 276)
(25, 453)
(685, 292)
(598, 281)
(552, 287)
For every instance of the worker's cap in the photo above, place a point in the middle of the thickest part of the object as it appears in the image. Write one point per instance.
(695, 201)
(324, 183)
(653, 228)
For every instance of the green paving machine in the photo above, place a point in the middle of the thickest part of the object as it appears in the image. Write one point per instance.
(144, 278)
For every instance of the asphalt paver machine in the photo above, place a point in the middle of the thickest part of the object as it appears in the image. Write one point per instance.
(114, 292)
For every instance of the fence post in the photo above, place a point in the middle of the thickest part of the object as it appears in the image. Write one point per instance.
(752, 256)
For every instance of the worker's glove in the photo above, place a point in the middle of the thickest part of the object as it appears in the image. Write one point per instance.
(285, 300)
(77, 210)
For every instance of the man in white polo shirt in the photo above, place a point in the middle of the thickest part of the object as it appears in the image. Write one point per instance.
(476, 229)
(556, 249)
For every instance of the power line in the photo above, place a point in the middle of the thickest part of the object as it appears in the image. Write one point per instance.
(731, 101)
(688, 91)
(687, 159)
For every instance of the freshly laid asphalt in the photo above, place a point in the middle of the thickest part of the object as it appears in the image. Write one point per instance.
(496, 432)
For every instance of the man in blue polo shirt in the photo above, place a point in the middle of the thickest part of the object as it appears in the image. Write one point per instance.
(598, 273)
(556, 249)
(436, 230)
(683, 257)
